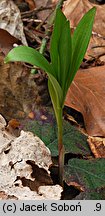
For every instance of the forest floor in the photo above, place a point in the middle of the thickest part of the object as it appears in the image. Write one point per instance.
(28, 130)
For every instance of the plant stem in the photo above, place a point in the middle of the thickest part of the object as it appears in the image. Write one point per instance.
(60, 147)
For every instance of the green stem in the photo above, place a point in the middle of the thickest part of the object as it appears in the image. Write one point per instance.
(60, 147)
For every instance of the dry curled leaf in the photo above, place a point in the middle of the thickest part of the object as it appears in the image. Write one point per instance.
(87, 95)
(97, 146)
(13, 127)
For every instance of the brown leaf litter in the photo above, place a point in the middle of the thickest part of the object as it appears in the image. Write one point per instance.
(87, 95)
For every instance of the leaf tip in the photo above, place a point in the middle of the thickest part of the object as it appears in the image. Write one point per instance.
(93, 9)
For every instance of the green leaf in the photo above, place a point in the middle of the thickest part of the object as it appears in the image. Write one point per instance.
(60, 21)
(29, 55)
(74, 141)
(90, 174)
(55, 91)
(56, 95)
(60, 49)
(65, 54)
(96, 194)
(80, 41)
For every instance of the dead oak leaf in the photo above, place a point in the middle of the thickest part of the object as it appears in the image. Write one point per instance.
(75, 10)
(87, 95)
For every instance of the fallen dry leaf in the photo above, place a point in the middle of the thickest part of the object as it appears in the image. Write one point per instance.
(24, 167)
(25, 4)
(74, 184)
(87, 95)
(20, 91)
(5, 137)
(96, 48)
(2, 122)
(97, 146)
(14, 101)
(7, 41)
(13, 127)
(74, 11)
(51, 192)
(10, 20)
(42, 15)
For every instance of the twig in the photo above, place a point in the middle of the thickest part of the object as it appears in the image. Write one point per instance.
(33, 13)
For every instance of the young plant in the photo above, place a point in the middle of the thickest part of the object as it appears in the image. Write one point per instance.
(66, 54)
